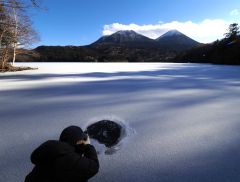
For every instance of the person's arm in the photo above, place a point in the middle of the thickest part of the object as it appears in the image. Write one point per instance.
(88, 162)
(91, 153)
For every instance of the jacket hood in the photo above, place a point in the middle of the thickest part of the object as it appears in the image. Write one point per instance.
(49, 151)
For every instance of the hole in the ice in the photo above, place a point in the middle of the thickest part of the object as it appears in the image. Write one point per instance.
(106, 132)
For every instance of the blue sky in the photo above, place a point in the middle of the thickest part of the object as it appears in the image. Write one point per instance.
(80, 22)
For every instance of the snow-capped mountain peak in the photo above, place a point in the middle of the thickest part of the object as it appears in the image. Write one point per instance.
(172, 40)
(125, 32)
(176, 40)
(124, 36)
(171, 33)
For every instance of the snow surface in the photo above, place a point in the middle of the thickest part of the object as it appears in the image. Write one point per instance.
(185, 116)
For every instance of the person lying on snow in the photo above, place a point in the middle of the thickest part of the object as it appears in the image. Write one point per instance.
(71, 159)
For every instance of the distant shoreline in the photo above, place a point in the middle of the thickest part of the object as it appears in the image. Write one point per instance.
(10, 68)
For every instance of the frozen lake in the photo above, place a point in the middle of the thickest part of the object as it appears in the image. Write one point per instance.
(185, 117)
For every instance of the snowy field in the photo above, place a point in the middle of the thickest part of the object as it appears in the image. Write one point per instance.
(185, 118)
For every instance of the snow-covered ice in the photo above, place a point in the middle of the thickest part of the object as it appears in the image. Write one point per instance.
(185, 117)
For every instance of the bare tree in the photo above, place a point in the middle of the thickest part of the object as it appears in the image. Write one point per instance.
(15, 28)
(6, 35)
(23, 33)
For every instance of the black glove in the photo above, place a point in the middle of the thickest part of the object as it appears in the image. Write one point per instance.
(80, 148)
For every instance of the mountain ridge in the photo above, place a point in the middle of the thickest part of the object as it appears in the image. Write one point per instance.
(176, 40)
(121, 46)
(125, 38)
(172, 40)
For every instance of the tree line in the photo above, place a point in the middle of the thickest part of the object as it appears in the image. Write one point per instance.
(16, 30)
(224, 51)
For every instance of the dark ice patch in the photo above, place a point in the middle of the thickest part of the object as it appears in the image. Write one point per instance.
(105, 132)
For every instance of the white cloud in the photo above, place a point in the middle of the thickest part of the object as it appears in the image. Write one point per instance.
(235, 12)
(205, 31)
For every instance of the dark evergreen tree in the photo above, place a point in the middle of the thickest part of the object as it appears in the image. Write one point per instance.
(233, 31)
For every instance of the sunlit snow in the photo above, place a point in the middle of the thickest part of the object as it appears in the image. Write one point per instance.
(184, 118)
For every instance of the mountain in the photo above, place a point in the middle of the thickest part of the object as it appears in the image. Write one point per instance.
(175, 40)
(125, 38)
(122, 46)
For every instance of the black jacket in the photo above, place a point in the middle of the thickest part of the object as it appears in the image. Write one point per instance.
(57, 161)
